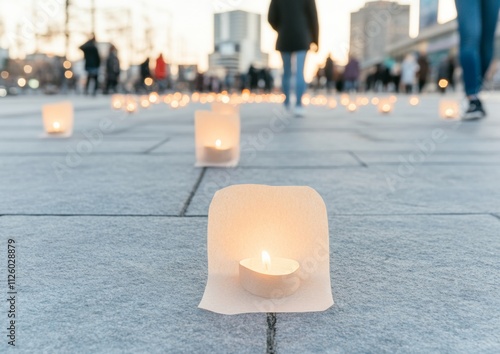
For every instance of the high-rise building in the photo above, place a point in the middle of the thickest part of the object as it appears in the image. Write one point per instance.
(237, 42)
(375, 26)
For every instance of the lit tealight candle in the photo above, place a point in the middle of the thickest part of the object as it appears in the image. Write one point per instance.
(269, 278)
(218, 153)
(414, 101)
(449, 113)
(56, 128)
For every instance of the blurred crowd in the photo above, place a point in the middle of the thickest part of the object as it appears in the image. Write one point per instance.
(413, 74)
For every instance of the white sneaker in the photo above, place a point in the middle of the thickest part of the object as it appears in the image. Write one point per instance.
(299, 112)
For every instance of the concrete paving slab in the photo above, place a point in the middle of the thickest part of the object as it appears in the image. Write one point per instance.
(121, 184)
(380, 190)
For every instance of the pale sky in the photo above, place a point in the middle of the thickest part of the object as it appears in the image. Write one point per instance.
(181, 29)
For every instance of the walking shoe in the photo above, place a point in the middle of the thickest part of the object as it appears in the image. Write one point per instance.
(299, 112)
(475, 111)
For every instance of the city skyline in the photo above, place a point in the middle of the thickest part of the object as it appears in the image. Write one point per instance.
(170, 27)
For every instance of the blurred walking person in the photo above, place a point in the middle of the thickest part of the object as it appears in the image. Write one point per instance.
(112, 70)
(423, 71)
(146, 81)
(161, 73)
(329, 73)
(409, 70)
(296, 22)
(477, 22)
(92, 64)
(351, 75)
(396, 76)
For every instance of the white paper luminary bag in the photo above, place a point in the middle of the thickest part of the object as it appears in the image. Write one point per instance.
(268, 251)
(449, 109)
(58, 119)
(217, 139)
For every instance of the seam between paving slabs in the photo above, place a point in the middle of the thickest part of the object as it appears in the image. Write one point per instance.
(193, 192)
(496, 216)
(157, 145)
(357, 158)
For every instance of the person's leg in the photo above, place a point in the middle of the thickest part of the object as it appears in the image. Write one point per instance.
(300, 83)
(96, 84)
(489, 15)
(87, 84)
(469, 28)
(287, 75)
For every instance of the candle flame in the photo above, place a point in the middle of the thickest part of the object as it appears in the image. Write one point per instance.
(56, 125)
(218, 143)
(266, 260)
(449, 112)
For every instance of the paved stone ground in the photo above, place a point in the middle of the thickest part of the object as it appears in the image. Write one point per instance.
(111, 249)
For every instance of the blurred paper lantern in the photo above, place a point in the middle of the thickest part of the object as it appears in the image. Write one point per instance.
(154, 98)
(385, 106)
(414, 100)
(185, 100)
(268, 251)
(130, 104)
(195, 97)
(306, 100)
(364, 101)
(332, 103)
(167, 99)
(58, 119)
(144, 101)
(375, 101)
(449, 109)
(345, 99)
(117, 101)
(217, 139)
(351, 107)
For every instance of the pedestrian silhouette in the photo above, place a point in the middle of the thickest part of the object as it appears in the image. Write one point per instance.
(296, 22)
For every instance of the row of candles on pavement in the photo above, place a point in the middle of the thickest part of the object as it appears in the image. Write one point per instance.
(217, 135)
(58, 117)
(217, 140)
(449, 109)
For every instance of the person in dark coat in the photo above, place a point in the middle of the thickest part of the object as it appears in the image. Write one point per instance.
(92, 64)
(329, 73)
(145, 74)
(253, 77)
(296, 22)
(423, 72)
(112, 70)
